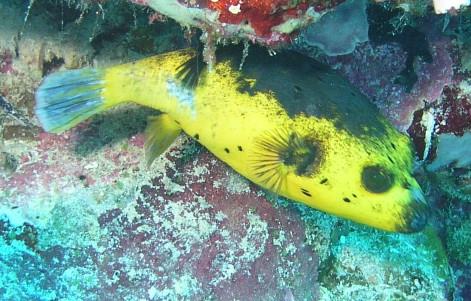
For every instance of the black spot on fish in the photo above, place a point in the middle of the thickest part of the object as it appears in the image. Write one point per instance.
(82, 177)
(346, 200)
(323, 181)
(393, 146)
(390, 160)
(197, 136)
(227, 150)
(354, 195)
(306, 192)
(239, 148)
(353, 94)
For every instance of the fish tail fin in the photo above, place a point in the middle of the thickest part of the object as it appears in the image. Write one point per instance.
(67, 98)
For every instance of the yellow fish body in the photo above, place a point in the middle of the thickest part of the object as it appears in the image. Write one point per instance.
(286, 122)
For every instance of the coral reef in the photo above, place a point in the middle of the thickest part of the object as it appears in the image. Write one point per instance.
(452, 149)
(399, 71)
(161, 234)
(372, 267)
(271, 23)
(188, 228)
(83, 218)
(451, 166)
(267, 22)
(459, 240)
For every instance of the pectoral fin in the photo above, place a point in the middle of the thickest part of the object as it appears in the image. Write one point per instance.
(161, 131)
(281, 152)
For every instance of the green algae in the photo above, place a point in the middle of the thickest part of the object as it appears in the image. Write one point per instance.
(455, 183)
(360, 263)
(459, 242)
(8, 163)
(383, 265)
(433, 243)
(374, 266)
(27, 274)
(80, 230)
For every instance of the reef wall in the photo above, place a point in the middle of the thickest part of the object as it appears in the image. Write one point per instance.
(83, 218)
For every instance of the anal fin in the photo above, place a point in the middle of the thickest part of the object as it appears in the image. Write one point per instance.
(161, 131)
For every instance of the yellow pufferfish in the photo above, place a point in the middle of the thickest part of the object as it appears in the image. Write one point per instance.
(285, 122)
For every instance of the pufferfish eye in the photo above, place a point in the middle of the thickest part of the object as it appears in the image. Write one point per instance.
(377, 179)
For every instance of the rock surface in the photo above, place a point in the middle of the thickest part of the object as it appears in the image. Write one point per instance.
(82, 218)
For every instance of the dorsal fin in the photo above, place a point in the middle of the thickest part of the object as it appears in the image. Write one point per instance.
(161, 131)
(190, 71)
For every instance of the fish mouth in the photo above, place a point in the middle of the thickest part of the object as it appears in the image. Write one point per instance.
(415, 214)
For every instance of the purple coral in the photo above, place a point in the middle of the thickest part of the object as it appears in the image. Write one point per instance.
(374, 69)
(6, 62)
(206, 239)
(196, 229)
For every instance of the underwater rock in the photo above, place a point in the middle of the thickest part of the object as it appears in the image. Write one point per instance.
(211, 236)
(370, 265)
(266, 22)
(339, 31)
(451, 166)
(374, 69)
(189, 228)
(82, 218)
(396, 25)
(459, 240)
(462, 32)
(452, 149)
(399, 71)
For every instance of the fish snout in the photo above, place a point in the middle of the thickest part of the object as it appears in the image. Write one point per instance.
(416, 212)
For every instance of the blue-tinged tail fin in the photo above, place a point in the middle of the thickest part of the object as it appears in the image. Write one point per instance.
(67, 98)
